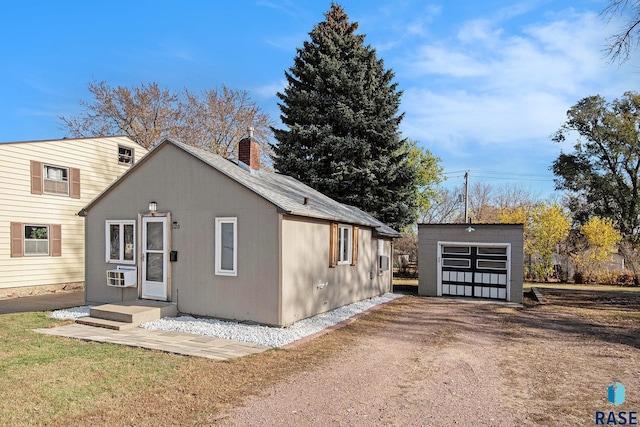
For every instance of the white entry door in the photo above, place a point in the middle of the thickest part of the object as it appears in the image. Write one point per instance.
(154, 258)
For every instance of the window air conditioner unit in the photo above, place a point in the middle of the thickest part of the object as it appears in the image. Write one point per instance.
(383, 263)
(122, 277)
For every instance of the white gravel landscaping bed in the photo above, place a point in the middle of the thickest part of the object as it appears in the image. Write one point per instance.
(257, 334)
(71, 313)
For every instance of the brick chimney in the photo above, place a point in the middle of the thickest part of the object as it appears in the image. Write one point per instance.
(249, 151)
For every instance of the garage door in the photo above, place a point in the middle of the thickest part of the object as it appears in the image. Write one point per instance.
(474, 270)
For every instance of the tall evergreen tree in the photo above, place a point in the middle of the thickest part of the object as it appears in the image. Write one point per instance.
(340, 108)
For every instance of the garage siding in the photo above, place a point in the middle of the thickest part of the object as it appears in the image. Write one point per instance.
(484, 278)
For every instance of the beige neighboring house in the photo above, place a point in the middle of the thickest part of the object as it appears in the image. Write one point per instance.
(229, 240)
(43, 186)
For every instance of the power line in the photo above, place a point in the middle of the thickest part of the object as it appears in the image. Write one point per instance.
(503, 175)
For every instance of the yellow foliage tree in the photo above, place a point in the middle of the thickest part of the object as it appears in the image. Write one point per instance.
(602, 238)
(517, 215)
(545, 226)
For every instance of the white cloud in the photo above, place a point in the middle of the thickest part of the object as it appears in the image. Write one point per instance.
(491, 86)
(397, 29)
(478, 30)
(269, 90)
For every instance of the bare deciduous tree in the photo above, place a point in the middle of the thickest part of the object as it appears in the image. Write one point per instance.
(444, 208)
(486, 202)
(622, 43)
(215, 120)
(218, 119)
(481, 208)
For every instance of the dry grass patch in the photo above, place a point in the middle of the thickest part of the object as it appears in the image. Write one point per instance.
(555, 360)
(569, 351)
(88, 383)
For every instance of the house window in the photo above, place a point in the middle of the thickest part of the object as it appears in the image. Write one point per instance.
(344, 244)
(48, 179)
(125, 155)
(36, 240)
(120, 241)
(226, 247)
(55, 180)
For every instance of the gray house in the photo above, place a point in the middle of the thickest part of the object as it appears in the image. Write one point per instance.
(229, 240)
(471, 260)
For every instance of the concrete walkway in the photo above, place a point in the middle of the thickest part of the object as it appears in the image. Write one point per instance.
(167, 341)
(170, 342)
(44, 302)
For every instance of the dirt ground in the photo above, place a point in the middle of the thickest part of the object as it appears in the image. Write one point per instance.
(416, 362)
(442, 362)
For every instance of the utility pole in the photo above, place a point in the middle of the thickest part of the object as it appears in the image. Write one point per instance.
(466, 197)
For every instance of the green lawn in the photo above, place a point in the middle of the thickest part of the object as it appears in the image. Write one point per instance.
(44, 378)
(402, 281)
(526, 287)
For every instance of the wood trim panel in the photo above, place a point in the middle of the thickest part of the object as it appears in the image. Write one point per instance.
(74, 189)
(56, 239)
(354, 246)
(17, 243)
(36, 177)
(333, 245)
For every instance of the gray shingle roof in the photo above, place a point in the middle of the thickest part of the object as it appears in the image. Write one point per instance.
(287, 193)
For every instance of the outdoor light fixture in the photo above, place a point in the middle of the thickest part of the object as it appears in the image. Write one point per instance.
(153, 207)
(470, 229)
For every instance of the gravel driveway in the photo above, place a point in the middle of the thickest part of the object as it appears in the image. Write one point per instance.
(440, 362)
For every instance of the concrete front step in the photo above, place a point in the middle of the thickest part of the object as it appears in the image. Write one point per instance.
(104, 323)
(128, 314)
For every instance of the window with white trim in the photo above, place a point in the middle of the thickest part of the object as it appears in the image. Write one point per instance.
(226, 246)
(36, 240)
(55, 180)
(344, 244)
(125, 155)
(120, 237)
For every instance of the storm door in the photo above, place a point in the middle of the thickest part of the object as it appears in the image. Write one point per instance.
(154, 245)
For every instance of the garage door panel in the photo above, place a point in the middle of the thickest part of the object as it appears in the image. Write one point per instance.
(474, 271)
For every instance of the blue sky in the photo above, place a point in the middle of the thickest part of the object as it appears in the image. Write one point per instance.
(485, 82)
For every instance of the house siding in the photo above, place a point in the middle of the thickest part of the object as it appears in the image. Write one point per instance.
(309, 285)
(97, 161)
(195, 194)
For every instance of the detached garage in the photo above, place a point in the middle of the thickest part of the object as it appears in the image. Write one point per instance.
(471, 260)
